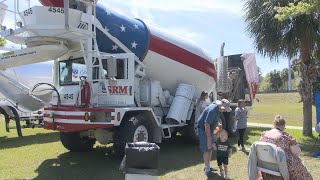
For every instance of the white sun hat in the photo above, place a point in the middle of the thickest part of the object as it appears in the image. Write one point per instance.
(224, 104)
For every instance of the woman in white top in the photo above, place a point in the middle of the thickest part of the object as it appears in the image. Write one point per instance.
(201, 104)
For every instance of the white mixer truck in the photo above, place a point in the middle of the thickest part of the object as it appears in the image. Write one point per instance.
(17, 104)
(117, 80)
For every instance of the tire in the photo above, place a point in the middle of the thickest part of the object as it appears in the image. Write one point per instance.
(132, 129)
(74, 143)
(190, 131)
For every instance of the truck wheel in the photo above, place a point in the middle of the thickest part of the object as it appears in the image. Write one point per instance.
(132, 129)
(191, 130)
(75, 143)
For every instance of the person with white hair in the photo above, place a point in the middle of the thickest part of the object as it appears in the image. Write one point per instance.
(207, 123)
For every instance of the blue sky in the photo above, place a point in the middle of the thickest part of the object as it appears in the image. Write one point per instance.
(208, 23)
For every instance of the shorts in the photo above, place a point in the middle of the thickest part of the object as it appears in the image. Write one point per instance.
(222, 160)
(203, 141)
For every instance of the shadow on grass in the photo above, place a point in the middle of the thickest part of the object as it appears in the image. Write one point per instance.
(39, 138)
(87, 165)
(255, 131)
(310, 145)
(175, 154)
(252, 134)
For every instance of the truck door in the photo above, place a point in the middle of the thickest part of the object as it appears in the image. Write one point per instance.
(117, 86)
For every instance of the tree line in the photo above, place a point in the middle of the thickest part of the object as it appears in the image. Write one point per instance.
(278, 80)
(290, 29)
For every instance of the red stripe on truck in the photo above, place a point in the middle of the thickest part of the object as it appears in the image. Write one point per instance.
(68, 127)
(55, 3)
(57, 116)
(73, 117)
(79, 109)
(181, 55)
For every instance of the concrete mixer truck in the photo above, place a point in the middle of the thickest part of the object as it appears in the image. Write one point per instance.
(118, 80)
(17, 104)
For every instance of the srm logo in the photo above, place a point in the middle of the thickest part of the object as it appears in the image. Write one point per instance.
(117, 90)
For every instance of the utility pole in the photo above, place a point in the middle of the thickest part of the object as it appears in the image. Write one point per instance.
(289, 76)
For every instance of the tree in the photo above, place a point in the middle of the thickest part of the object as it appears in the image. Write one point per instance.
(275, 80)
(264, 84)
(284, 77)
(295, 65)
(2, 42)
(284, 74)
(260, 74)
(297, 8)
(291, 37)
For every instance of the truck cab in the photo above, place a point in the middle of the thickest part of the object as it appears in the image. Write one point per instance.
(111, 80)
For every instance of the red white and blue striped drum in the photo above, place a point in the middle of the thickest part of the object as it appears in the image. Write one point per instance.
(169, 59)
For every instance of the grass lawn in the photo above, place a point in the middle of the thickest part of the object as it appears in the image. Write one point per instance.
(40, 155)
(284, 104)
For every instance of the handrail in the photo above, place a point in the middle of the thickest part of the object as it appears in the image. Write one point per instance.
(66, 14)
(15, 14)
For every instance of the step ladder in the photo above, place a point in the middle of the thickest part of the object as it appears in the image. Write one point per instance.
(91, 53)
(166, 129)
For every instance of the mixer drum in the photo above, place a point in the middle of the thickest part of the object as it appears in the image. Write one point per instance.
(169, 59)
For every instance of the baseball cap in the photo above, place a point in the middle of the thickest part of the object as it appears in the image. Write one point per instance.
(224, 104)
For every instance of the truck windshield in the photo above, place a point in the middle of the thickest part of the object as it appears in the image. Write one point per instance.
(70, 71)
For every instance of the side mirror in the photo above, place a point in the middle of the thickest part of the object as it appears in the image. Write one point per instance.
(112, 67)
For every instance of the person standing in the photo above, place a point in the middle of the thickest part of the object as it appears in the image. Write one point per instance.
(224, 150)
(241, 115)
(283, 140)
(201, 104)
(207, 122)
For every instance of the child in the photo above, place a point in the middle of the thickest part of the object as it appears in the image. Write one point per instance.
(223, 152)
(241, 115)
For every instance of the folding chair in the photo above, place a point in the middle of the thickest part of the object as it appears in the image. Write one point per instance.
(266, 162)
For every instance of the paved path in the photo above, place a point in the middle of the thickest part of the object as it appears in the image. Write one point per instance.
(270, 125)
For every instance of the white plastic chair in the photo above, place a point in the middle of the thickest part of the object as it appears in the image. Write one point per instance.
(266, 162)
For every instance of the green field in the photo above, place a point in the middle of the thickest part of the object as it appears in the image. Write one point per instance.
(284, 104)
(40, 155)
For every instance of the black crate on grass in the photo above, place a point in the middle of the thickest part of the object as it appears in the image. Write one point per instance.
(141, 158)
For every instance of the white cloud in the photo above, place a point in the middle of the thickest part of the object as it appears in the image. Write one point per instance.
(230, 6)
(23, 5)
(187, 34)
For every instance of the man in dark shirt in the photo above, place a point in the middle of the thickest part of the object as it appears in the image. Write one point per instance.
(207, 122)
